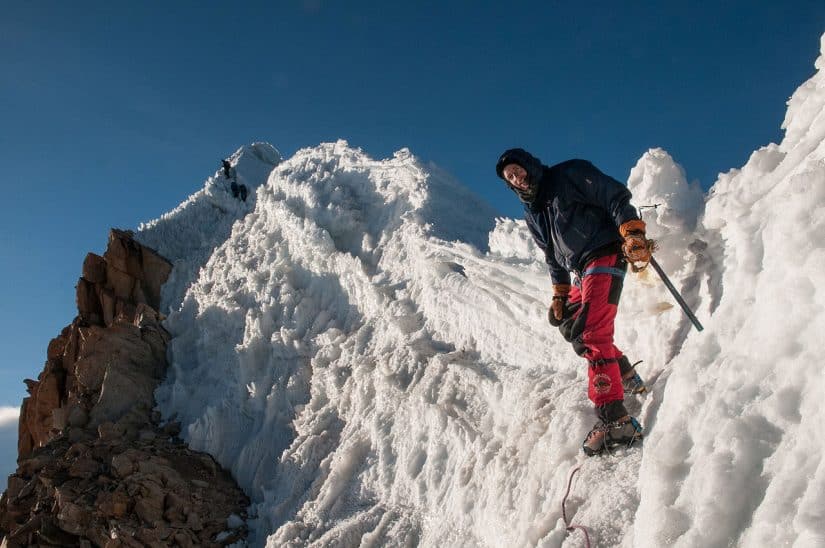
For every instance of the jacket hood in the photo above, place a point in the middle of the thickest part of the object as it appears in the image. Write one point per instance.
(533, 166)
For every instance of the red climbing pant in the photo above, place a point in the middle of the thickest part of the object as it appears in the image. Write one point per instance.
(595, 304)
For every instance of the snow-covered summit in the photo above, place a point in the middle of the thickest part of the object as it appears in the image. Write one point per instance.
(189, 233)
(365, 347)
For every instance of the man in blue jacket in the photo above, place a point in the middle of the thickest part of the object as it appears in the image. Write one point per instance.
(583, 221)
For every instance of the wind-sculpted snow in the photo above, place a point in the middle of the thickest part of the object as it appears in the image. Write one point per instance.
(368, 352)
(189, 234)
(736, 454)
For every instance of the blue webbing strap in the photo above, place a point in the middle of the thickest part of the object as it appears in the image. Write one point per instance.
(618, 272)
(604, 270)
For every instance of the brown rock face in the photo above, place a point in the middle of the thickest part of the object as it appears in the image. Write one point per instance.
(95, 467)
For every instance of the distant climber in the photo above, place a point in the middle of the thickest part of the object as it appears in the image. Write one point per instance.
(583, 221)
(238, 191)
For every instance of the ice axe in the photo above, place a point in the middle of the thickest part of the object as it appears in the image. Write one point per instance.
(694, 320)
(673, 291)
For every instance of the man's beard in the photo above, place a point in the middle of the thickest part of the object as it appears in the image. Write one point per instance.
(527, 195)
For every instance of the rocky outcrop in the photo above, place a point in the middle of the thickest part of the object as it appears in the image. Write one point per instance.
(112, 490)
(95, 467)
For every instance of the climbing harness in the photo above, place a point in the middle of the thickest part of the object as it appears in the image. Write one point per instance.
(618, 272)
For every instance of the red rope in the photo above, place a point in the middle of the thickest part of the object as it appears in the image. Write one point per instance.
(570, 526)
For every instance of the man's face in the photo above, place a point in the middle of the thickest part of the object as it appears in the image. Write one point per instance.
(516, 176)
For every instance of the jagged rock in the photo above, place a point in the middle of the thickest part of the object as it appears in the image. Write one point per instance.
(60, 418)
(94, 269)
(125, 312)
(120, 246)
(34, 464)
(21, 533)
(107, 302)
(16, 485)
(73, 518)
(138, 295)
(123, 389)
(45, 396)
(149, 537)
(111, 432)
(146, 435)
(160, 468)
(95, 468)
(184, 540)
(150, 508)
(120, 282)
(172, 428)
(78, 434)
(156, 270)
(174, 508)
(57, 346)
(84, 468)
(98, 534)
(112, 504)
(193, 521)
(77, 416)
(90, 372)
(88, 302)
(72, 345)
(51, 532)
(25, 440)
(122, 465)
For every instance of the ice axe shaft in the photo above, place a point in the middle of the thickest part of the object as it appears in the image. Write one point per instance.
(676, 294)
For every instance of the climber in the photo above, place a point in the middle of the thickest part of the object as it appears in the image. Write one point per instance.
(238, 190)
(583, 221)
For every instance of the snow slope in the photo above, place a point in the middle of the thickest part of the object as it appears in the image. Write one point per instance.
(365, 347)
(189, 234)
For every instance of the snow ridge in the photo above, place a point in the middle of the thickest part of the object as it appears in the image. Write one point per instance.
(189, 234)
(743, 408)
(374, 365)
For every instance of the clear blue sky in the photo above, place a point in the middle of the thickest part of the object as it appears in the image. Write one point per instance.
(113, 112)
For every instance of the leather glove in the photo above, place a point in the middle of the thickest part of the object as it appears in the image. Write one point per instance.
(636, 247)
(556, 312)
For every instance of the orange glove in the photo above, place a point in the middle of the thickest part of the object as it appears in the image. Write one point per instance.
(560, 292)
(636, 247)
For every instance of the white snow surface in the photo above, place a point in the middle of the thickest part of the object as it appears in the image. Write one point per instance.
(364, 345)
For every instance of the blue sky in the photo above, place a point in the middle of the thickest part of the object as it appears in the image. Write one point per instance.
(114, 112)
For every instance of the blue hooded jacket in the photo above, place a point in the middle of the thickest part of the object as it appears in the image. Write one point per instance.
(575, 214)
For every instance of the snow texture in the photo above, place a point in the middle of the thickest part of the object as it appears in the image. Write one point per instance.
(365, 346)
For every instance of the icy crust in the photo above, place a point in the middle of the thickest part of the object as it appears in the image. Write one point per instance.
(371, 380)
(367, 380)
(511, 238)
(189, 234)
(736, 453)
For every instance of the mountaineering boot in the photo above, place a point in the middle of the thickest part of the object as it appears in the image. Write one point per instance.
(631, 381)
(609, 435)
(634, 384)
